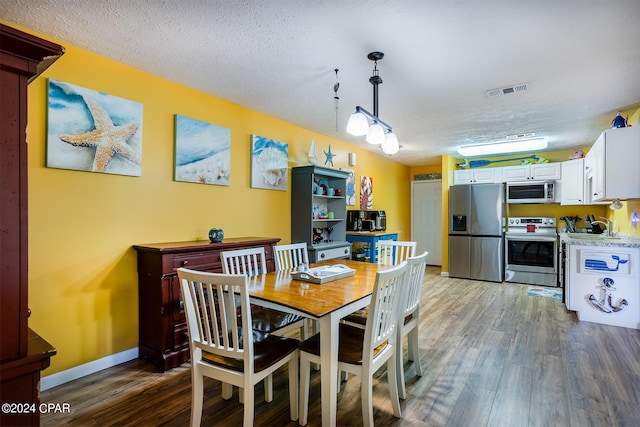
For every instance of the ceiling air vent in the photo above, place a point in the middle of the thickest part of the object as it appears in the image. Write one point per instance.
(507, 90)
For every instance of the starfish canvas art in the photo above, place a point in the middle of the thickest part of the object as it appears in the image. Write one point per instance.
(93, 131)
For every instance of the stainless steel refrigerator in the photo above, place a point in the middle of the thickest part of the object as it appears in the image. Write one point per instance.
(476, 231)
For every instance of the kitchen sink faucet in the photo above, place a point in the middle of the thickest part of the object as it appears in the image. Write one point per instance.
(607, 228)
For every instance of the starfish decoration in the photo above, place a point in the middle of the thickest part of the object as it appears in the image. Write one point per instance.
(329, 156)
(107, 138)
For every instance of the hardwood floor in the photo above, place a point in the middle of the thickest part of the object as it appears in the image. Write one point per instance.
(491, 354)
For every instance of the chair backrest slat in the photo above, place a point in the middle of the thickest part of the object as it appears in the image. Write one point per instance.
(392, 252)
(211, 303)
(250, 261)
(290, 256)
(413, 283)
(383, 310)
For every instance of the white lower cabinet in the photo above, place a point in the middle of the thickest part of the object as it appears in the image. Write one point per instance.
(603, 284)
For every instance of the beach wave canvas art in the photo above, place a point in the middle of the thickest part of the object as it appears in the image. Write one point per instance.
(203, 152)
(93, 131)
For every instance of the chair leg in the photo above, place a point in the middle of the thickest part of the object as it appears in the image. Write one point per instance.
(293, 388)
(305, 373)
(366, 391)
(249, 406)
(402, 392)
(414, 352)
(227, 391)
(268, 388)
(197, 395)
(393, 386)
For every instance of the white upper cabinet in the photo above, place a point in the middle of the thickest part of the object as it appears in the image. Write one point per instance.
(611, 166)
(536, 172)
(477, 176)
(572, 183)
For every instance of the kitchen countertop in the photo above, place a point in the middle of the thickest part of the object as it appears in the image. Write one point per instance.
(587, 239)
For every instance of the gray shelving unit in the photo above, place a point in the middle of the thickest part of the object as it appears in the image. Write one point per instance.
(303, 222)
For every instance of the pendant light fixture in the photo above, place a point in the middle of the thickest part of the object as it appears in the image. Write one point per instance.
(378, 133)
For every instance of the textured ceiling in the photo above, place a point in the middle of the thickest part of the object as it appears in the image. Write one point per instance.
(579, 57)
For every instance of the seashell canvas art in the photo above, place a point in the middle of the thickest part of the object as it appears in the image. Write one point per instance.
(269, 163)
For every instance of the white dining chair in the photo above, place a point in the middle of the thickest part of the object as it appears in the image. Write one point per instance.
(409, 318)
(290, 256)
(252, 262)
(390, 252)
(363, 351)
(393, 252)
(226, 351)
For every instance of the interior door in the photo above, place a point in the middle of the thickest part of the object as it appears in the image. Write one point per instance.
(426, 219)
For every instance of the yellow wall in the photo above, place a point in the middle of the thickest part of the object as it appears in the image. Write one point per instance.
(82, 269)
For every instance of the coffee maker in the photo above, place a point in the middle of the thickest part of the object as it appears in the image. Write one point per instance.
(379, 218)
(354, 220)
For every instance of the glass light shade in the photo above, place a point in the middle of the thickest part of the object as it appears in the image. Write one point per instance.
(358, 124)
(390, 144)
(617, 204)
(503, 147)
(375, 134)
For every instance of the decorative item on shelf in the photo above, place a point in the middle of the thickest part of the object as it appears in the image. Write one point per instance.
(317, 235)
(329, 230)
(313, 155)
(619, 121)
(534, 160)
(216, 235)
(577, 154)
(329, 156)
(379, 133)
(480, 163)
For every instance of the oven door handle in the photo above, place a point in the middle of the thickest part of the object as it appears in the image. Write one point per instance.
(530, 238)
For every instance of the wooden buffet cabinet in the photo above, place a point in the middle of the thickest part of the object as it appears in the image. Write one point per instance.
(23, 353)
(162, 325)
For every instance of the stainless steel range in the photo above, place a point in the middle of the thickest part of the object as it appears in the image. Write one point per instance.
(531, 251)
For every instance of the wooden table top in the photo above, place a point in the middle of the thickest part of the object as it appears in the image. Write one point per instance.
(316, 300)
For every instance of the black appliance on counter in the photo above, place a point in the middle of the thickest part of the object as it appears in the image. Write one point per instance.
(592, 226)
(364, 220)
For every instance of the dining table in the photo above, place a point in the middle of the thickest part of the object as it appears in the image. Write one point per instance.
(326, 303)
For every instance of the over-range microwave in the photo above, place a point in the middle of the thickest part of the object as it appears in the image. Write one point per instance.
(531, 192)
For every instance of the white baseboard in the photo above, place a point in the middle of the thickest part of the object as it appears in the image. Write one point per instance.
(76, 372)
(444, 273)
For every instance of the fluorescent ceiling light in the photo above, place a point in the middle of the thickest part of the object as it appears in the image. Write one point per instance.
(503, 147)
